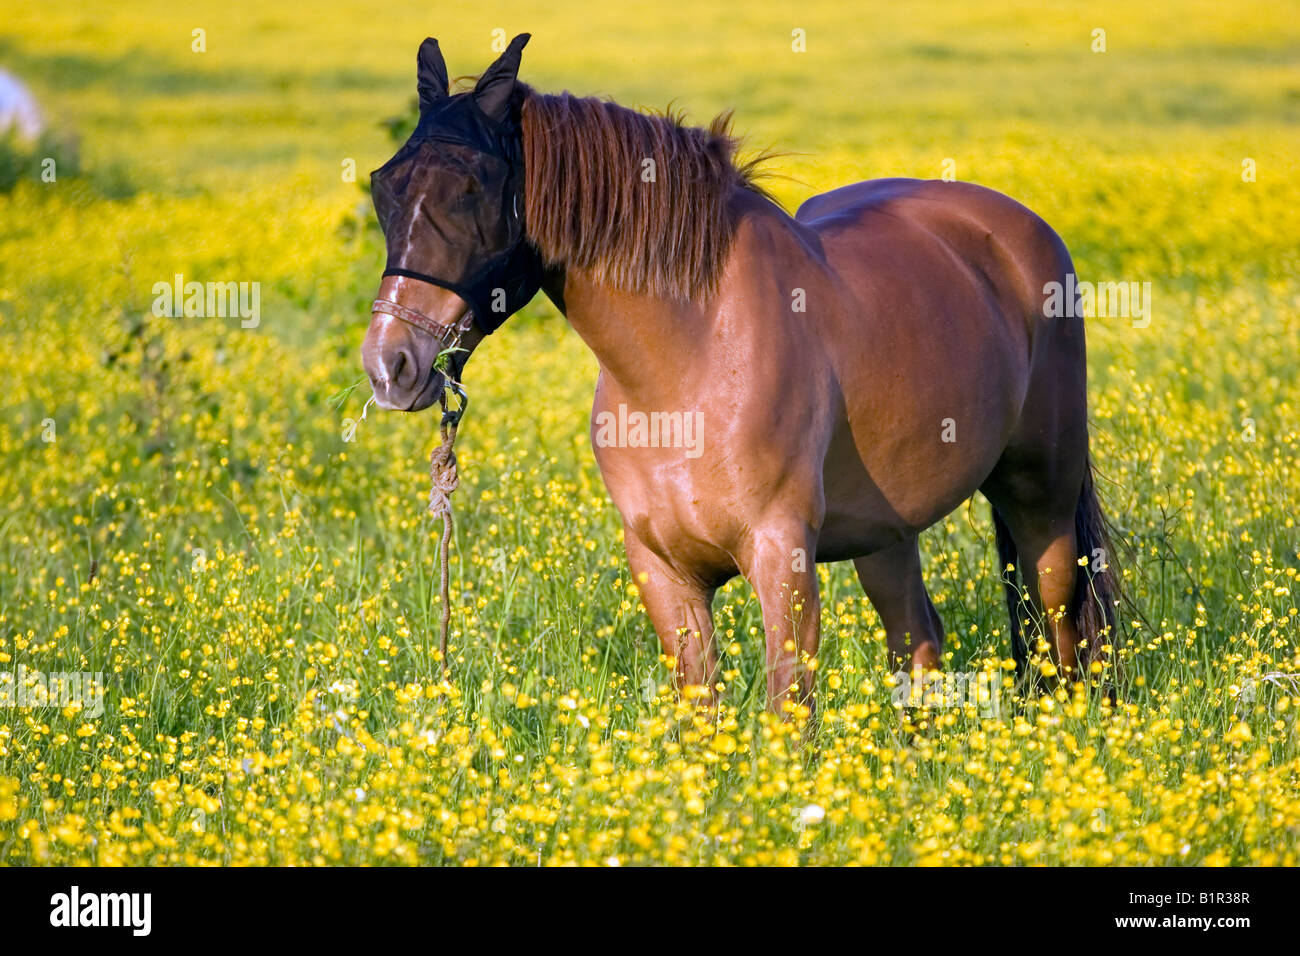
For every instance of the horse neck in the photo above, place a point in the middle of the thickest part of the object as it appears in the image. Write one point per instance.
(646, 342)
(641, 342)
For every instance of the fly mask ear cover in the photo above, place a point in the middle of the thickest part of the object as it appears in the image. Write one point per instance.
(498, 284)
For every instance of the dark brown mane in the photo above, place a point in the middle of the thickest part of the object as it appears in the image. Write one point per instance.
(588, 206)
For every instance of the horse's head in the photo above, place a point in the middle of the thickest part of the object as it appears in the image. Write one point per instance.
(452, 209)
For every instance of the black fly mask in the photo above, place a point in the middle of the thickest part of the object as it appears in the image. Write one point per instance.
(451, 200)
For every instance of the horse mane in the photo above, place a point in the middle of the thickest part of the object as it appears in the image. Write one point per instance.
(588, 203)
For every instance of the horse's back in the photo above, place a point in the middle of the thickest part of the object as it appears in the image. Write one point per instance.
(959, 241)
(923, 200)
(1005, 240)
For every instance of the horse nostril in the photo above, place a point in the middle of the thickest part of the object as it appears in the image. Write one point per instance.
(402, 362)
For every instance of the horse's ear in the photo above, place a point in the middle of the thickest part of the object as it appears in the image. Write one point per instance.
(497, 84)
(430, 73)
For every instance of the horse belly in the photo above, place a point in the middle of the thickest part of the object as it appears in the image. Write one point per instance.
(923, 430)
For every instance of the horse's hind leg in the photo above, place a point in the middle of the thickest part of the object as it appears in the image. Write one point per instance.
(1035, 490)
(681, 612)
(892, 580)
(1048, 556)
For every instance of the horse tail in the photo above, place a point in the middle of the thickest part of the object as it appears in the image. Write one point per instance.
(1097, 589)
(1007, 562)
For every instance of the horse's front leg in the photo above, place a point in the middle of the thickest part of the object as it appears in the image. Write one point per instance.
(780, 564)
(681, 611)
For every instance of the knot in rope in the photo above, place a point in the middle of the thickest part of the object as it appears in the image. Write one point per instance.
(444, 477)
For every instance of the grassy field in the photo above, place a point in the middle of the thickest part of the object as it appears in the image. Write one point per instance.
(181, 508)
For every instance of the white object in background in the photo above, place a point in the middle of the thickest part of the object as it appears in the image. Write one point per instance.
(18, 110)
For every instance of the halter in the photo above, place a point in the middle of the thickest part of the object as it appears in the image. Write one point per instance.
(449, 338)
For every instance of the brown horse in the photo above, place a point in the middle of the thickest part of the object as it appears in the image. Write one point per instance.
(773, 391)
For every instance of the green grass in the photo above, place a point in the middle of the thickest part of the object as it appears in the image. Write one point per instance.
(252, 695)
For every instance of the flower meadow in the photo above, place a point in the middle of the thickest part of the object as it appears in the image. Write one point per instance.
(203, 513)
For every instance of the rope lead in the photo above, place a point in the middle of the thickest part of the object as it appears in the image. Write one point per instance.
(444, 478)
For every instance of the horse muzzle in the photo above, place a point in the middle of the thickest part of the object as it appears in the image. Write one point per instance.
(400, 365)
(400, 357)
